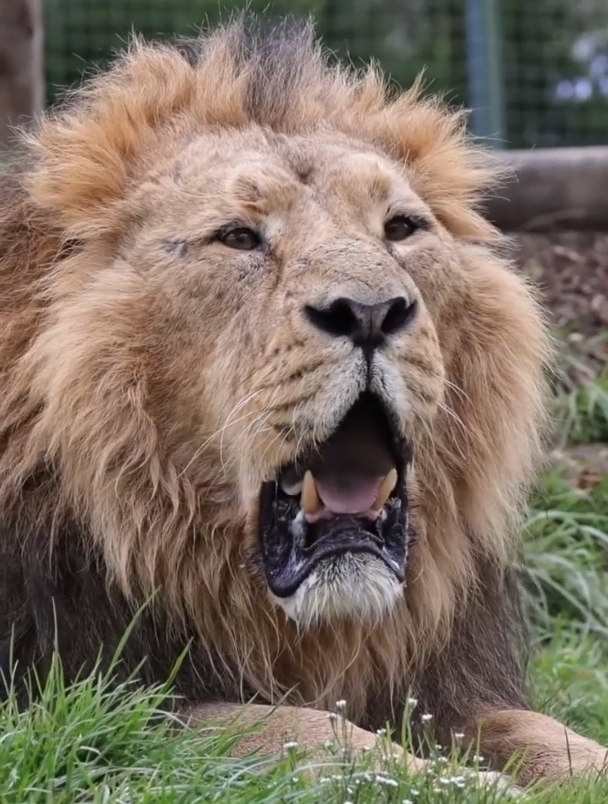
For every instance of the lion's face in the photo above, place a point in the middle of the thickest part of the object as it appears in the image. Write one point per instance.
(290, 336)
(264, 346)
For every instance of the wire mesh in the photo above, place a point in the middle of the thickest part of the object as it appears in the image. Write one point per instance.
(535, 73)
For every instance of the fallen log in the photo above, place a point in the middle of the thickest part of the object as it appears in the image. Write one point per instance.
(553, 189)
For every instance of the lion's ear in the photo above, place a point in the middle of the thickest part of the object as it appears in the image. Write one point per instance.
(85, 154)
(445, 168)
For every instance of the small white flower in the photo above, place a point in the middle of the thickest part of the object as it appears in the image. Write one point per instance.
(332, 717)
(426, 717)
(381, 733)
(457, 781)
(289, 746)
(341, 705)
(390, 782)
(412, 701)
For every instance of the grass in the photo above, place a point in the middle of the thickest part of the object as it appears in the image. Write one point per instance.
(91, 743)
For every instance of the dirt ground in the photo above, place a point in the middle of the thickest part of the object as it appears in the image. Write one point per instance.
(571, 268)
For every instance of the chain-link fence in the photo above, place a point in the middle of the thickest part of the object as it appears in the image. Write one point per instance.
(534, 71)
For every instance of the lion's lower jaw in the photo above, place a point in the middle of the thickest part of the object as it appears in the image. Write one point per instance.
(352, 587)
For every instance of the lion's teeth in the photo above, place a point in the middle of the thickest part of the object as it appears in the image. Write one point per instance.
(388, 484)
(310, 499)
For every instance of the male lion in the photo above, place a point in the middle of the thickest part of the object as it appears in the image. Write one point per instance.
(262, 363)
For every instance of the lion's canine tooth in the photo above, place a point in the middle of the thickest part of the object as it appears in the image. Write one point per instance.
(310, 499)
(387, 485)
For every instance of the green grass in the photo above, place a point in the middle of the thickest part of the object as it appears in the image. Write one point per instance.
(581, 399)
(90, 743)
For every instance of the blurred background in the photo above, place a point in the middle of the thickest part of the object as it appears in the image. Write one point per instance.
(534, 71)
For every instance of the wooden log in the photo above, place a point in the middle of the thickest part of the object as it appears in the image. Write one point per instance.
(553, 189)
(21, 64)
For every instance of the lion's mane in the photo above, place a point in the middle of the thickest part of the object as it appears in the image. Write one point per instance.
(94, 519)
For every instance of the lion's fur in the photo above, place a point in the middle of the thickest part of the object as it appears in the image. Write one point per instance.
(101, 504)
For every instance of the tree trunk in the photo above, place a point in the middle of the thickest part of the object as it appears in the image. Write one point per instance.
(21, 64)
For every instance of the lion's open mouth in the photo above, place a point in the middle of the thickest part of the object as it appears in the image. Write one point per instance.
(348, 496)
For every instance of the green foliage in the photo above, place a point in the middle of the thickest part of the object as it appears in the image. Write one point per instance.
(427, 34)
(95, 744)
(538, 53)
(566, 555)
(584, 411)
(92, 743)
(566, 536)
(82, 34)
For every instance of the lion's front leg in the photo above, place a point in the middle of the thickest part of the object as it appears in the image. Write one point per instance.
(311, 729)
(282, 725)
(542, 747)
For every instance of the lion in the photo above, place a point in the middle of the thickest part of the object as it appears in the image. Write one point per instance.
(266, 367)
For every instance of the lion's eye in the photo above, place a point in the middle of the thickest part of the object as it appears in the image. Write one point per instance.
(400, 228)
(241, 238)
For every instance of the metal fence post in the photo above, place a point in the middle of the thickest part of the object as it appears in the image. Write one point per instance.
(484, 68)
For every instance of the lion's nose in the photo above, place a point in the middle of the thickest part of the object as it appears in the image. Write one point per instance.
(366, 325)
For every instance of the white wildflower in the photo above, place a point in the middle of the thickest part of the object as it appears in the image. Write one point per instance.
(387, 781)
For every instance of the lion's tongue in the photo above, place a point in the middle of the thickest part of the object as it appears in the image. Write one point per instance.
(348, 493)
(351, 469)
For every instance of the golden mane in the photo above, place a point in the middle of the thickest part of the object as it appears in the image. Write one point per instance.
(69, 201)
(153, 95)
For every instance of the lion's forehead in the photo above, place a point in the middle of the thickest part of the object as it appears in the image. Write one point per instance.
(264, 174)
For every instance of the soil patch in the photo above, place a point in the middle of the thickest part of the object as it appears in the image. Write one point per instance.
(571, 269)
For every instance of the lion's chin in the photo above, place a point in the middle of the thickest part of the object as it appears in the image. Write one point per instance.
(352, 586)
